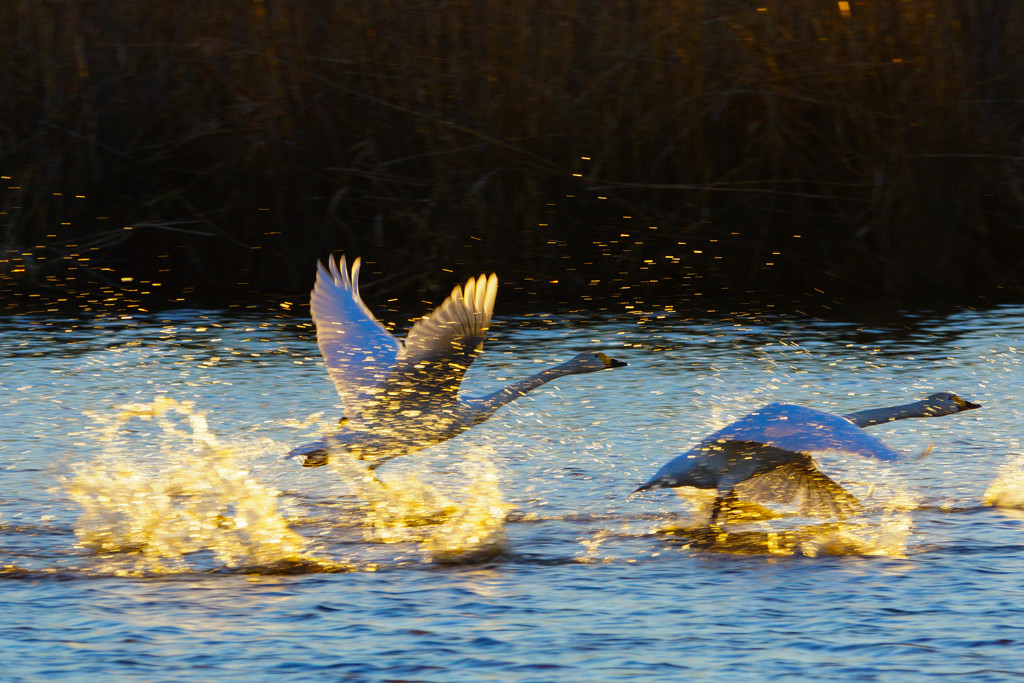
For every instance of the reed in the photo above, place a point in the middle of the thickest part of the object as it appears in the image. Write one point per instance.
(582, 149)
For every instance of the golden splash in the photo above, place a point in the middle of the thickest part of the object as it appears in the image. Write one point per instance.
(449, 530)
(174, 493)
(888, 538)
(1007, 490)
(751, 529)
(477, 529)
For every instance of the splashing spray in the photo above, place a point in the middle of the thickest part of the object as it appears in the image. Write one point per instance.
(188, 495)
(449, 530)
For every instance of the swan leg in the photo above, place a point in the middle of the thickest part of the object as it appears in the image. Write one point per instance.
(716, 509)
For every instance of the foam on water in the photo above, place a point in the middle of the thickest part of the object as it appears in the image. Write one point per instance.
(197, 500)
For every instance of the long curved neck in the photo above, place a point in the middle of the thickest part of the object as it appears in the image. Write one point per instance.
(875, 416)
(486, 405)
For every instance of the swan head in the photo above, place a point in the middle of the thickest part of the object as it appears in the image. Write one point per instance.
(591, 361)
(685, 470)
(946, 403)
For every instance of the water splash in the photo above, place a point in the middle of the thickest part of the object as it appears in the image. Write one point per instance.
(160, 497)
(403, 509)
(887, 537)
(884, 529)
(1007, 489)
(477, 529)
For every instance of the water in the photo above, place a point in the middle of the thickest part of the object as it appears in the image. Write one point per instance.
(152, 531)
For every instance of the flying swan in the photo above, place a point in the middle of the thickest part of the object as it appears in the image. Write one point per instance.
(765, 456)
(399, 398)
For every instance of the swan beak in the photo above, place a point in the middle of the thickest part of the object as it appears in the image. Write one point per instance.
(611, 362)
(655, 483)
(965, 405)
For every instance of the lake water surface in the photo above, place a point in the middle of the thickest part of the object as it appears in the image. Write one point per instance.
(150, 529)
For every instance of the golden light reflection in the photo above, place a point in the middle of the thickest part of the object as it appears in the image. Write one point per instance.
(885, 529)
(405, 509)
(154, 512)
(1007, 490)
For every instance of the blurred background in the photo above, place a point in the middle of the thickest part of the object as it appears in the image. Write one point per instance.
(608, 151)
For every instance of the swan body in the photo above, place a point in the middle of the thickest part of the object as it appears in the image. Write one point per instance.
(400, 397)
(779, 439)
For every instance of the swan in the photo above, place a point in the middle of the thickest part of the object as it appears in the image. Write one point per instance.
(398, 397)
(766, 455)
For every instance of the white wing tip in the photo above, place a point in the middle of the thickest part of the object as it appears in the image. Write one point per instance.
(337, 272)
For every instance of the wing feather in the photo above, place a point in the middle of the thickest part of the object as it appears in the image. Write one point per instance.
(442, 345)
(799, 483)
(358, 351)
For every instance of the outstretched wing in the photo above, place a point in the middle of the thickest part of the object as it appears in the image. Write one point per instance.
(358, 351)
(799, 483)
(763, 440)
(804, 430)
(441, 346)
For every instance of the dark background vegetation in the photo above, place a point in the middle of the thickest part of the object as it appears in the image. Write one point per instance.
(582, 149)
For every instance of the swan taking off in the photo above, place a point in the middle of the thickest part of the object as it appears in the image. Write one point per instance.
(767, 455)
(400, 398)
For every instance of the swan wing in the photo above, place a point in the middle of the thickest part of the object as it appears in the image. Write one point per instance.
(804, 430)
(358, 351)
(764, 440)
(442, 345)
(799, 483)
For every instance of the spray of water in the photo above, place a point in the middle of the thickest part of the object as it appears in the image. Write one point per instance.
(163, 496)
(466, 528)
(885, 528)
(1007, 489)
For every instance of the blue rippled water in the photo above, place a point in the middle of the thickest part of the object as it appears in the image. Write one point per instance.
(151, 531)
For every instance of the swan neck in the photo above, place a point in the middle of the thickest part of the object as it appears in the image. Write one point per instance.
(866, 418)
(490, 403)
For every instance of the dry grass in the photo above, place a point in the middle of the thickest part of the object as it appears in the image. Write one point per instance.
(664, 145)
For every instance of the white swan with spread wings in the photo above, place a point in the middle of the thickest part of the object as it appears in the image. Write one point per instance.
(768, 454)
(399, 397)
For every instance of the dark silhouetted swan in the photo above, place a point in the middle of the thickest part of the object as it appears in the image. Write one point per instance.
(399, 397)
